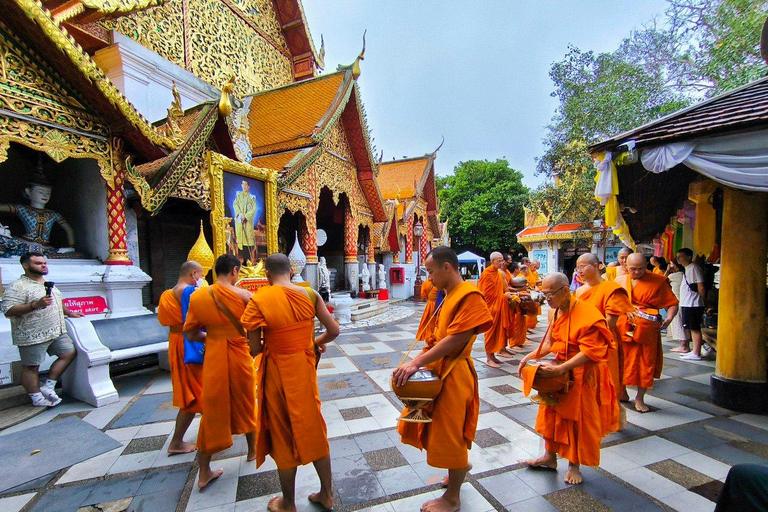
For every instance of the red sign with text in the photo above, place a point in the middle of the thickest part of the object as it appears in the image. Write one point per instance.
(86, 305)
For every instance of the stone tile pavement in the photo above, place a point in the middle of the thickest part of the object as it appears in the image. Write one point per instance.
(674, 458)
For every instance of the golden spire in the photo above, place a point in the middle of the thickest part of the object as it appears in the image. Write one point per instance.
(225, 105)
(356, 65)
(201, 252)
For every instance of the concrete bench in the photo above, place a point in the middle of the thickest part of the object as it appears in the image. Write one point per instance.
(100, 342)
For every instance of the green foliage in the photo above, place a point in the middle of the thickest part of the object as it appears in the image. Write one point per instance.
(483, 203)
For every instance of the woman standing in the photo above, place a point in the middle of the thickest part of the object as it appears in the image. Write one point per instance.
(675, 329)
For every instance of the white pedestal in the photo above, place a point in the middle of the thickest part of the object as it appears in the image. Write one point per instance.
(404, 291)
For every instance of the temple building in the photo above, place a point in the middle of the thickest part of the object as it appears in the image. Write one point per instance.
(150, 122)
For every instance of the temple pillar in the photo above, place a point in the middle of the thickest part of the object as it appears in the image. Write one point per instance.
(423, 247)
(118, 246)
(351, 265)
(739, 382)
(308, 242)
(372, 265)
(409, 242)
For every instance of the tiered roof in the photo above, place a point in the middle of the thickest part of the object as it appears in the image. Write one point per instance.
(409, 179)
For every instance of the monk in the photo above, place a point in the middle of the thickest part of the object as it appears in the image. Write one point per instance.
(229, 401)
(429, 294)
(280, 324)
(621, 270)
(493, 285)
(643, 355)
(579, 338)
(463, 314)
(613, 302)
(531, 320)
(609, 273)
(186, 379)
(516, 329)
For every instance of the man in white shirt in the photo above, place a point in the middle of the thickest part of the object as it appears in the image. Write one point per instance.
(692, 294)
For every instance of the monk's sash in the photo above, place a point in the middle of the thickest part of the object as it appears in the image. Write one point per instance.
(223, 331)
(179, 328)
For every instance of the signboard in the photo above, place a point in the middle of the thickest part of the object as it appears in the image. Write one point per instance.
(611, 254)
(252, 283)
(541, 257)
(5, 374)
(86, 305)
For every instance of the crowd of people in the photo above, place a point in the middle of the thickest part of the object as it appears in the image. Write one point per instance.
(258, 373)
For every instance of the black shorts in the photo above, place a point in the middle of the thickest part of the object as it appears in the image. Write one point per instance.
(692, 318)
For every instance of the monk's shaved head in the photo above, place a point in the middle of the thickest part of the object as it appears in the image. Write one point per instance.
(637, 259)
(626, 250)
(588, 259)
(277, 264)
(188, 267)
(496, 255)
(554, 281)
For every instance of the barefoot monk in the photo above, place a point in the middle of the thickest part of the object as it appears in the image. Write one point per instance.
(579, 338)
(493, 285)
(229, 401)
(447, 439)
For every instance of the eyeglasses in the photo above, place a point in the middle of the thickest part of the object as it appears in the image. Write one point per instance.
(550, 296)
(582, 267)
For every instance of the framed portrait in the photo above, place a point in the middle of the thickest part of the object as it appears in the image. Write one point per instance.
(243, 209)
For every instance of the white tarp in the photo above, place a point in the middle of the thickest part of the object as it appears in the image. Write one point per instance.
(470, 257)
(739, 160)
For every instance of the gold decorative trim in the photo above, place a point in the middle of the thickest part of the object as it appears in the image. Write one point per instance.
(217, 164)
(120, 6)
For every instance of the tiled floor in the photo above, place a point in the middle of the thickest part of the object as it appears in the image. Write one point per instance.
(674, 458)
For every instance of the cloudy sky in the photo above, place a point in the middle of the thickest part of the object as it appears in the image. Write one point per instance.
(474, 71)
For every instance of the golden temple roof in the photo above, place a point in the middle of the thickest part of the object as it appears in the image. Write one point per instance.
(277, 161)
(402, 177)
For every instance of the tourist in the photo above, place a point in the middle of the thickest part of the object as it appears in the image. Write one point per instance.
(37, 327)
(658, 265)
(186, 379)
(280, 324)
(643, 357)
(579, 337)
(229, 401)
(675, 329)
(613, 302)
(493, 285)
(447, 439)
(692, 293)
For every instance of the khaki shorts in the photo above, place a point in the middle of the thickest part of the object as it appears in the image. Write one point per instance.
(34, 355)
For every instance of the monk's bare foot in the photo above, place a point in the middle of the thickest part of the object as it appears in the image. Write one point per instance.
(444, 482)
(276, 505)
(640, 406)
(510, 350)
(624, 397)
(325, 500)
(441, 504)
(505, 354)
(492, 363)
(175, 449)
(208, 477)
(546, 461)
(251, 457)
(622, 417)
(573, 475)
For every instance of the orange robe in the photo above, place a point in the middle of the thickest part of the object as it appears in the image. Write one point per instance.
(643, 354)
(516, 328)
(291, 427)
(657, 271)
(610, 273)
(532, 320)
(611, 299)
(574, 426)
(186, 379)
(455, 410)
(229, 401)
(493, 287)
(429, 294)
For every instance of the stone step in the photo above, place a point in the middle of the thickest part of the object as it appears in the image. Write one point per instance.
(12, 396)
(15, 415)
(374, 309)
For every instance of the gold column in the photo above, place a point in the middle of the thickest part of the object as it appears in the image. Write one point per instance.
(740, 376)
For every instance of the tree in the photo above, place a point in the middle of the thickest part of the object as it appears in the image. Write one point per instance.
(483, 202)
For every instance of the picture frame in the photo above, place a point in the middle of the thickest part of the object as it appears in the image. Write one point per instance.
(243, 208)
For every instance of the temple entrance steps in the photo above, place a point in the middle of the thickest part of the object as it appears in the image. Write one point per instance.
(15, 406)
(367, 308)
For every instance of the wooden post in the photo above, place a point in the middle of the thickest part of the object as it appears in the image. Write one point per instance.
(739, 382)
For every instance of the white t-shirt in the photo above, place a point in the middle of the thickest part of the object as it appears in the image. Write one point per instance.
(689, 298)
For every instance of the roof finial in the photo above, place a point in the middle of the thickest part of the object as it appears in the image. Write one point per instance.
(356, 65)
(225, 105)
(321, 53)
(381, 157)
(441, 145)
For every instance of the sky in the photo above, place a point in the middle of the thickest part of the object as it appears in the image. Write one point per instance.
(473, 71)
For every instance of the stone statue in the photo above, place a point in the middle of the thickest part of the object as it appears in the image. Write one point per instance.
(365, 275)
(38, 223)
(382, 275)
(325, 279)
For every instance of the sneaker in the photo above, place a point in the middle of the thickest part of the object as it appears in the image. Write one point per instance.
(50, 394)
(706, 350)
(690, 356)
(38, 400)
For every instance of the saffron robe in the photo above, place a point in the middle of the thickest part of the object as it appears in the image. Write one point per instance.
(291, 427)
(186, 379)
(229, 380)
(643, 354)
(657, 271)
(429, 294)
(574, 426)
(493, 287)
(455, 410)
(610, 273)
(611, 299)
(516, 328)
(532, 320)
